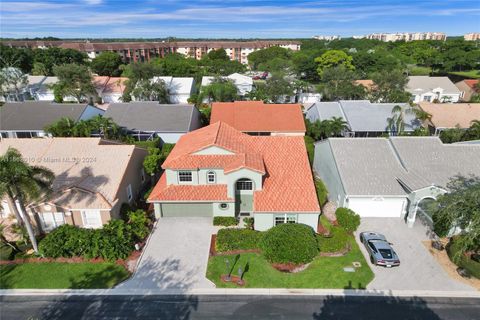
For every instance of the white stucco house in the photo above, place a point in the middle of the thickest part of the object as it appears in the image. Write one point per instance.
(430, 89)
(180, 89)
(391, 177)
(243, 83)
(219, 171)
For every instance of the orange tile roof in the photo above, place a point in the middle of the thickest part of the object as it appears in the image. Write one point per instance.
(450, 115)
(106, 85)
(471, 82)
(164, 192)
(288, 182)
(256, 116)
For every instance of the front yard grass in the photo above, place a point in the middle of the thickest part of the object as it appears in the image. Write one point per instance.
(61, 275)
(323, 272)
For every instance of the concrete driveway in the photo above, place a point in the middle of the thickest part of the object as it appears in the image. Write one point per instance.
(175, 256)
(418, 269)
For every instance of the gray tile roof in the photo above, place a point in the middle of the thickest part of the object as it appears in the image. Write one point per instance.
(361, 115)
(367, 166)
(152, 116)
(374, 166)
(35, 115)
(434, 162)
(422, 84)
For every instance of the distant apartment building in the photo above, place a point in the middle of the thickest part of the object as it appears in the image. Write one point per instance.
(144, 51)
(474, 36)
(407, 36)
(327, 38)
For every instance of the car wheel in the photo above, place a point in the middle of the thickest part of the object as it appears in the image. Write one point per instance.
(361, 238)
(372, 260)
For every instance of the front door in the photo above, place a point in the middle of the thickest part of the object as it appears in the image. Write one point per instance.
(243, 204)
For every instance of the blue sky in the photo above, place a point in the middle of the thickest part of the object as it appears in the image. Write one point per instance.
(232, 18)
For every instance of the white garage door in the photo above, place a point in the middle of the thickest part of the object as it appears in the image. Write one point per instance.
(377, 207)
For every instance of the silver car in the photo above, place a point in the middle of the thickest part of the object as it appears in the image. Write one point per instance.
(380, 250)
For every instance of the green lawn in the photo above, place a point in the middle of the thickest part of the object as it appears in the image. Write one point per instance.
(61, 275)
(323, 272)
(419, 70)
(472, 74)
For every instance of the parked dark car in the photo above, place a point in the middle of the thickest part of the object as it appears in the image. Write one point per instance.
(380, 250)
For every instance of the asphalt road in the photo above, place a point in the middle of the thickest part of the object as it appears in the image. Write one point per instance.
(236, 307)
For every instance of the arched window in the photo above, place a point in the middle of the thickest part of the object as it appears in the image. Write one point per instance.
(211, 177)
(244, 184)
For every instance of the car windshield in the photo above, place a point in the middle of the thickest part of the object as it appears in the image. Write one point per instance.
(386, 253)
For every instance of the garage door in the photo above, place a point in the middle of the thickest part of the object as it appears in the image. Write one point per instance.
(377, 207)
(187, 210)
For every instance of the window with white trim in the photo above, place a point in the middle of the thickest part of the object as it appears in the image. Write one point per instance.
(244, 184)
(285, 218)
(51, 220)
(91, 219)
(211, 177)
(129, 192)
(185, 176)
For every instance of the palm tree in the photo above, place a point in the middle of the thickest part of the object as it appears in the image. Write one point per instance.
(337, 125)
(106, 127)
(21, 183)
(64, 127)
(396, 123)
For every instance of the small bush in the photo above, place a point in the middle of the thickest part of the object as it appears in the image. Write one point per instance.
(461, 260)
(249, 222)
(125, 208)
(237, 239)
(309, 144)
(322, 193)
(225, 221)
(347, 219)
(138, 222)
(289, 243)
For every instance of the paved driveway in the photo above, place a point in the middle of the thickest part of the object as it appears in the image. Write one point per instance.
(418, 269)
(175, 256)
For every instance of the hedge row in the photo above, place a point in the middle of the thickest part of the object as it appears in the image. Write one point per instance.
(225, 221)
(114, 241)
(230, 239)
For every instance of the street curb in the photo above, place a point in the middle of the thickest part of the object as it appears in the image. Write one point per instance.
(263, 292)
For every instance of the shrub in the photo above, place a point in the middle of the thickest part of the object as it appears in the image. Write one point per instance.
(114, 241)
(124, 210)
(289, 243)
(138, 222)
(225, 221)
(249, 222)
(309, 144)
(454, 253)
(322, 193)
(237, 239)
(348, 219)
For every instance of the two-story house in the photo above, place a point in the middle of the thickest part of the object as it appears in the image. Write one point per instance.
(432, 89)
(220, 171)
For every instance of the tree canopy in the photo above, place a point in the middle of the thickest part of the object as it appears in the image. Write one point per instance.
(107, 64)
(74, 80)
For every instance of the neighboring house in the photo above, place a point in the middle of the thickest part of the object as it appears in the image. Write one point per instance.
(29, 118)
(179, 89)
(110, 89)
(364, 119)
(243, 83)
(219, 171)
(93, 179)
(147, 120)
(390, 177)
(468, 87)
(430, 89)
(453, 115)
(43, 91)
(258, 118)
